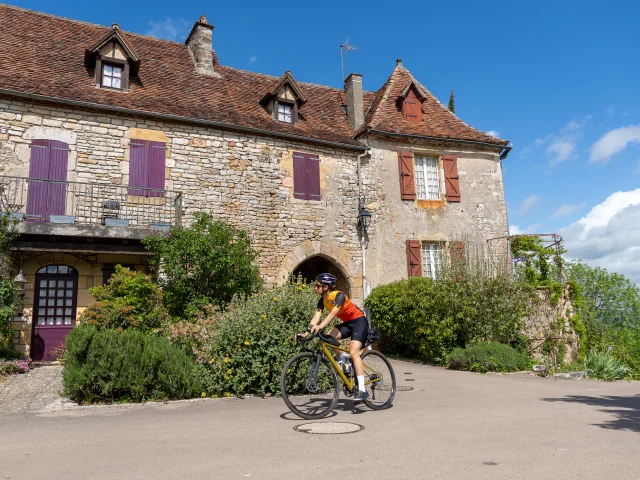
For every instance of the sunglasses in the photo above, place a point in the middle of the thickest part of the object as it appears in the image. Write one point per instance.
(317, 286)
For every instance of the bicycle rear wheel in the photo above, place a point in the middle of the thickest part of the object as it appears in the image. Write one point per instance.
(308, 393)
(379, 379)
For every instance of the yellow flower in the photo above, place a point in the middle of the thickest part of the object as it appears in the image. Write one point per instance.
(264, 316)
(211, 361)
(289, 371)
(203, 394)
(299, 288)
(227, 360)
(229, 372)
(227, 394)
(247, 342)
(275, 299)
(266, 374)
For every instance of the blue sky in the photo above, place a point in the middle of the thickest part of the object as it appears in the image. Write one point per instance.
(557, 79)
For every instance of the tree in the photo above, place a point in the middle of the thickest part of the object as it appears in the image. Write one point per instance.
(452, 103)
(206, 263)
(609, 302)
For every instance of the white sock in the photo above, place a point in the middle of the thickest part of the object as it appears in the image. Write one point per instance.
(361, 383)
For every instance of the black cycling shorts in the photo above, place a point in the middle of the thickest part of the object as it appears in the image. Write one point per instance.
(356, 329)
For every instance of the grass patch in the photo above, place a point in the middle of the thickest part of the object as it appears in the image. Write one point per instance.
(488, 357)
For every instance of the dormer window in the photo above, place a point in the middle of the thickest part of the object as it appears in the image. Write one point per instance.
(284, 99)
(410, 102)
(112, 76)
(113, 61)
(285, 111)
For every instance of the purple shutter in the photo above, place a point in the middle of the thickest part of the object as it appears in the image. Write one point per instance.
(138, 167)
(313, 177)
(59, 157)
(300, 176)
(37, 185)
(156, 168)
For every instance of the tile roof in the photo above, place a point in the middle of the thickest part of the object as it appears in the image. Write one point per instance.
(44, 55)
(383, 115)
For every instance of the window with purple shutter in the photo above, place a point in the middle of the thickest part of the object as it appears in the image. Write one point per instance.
(47, 185)
(306, 176)
(146, 168)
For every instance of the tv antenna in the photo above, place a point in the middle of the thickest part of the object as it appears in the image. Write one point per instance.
(345, 47)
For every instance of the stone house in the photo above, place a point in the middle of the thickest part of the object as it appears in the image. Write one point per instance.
(107, 136)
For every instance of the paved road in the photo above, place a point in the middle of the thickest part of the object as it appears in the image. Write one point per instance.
(453, 425)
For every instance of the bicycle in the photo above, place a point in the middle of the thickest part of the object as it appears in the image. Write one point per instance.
(309, 380)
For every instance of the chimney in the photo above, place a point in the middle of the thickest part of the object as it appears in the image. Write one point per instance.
(355, 110)
(200, 44)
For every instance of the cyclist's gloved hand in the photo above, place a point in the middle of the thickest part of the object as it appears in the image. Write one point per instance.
(313, 329)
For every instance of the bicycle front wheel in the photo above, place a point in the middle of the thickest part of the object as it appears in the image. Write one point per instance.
(309, 389)
(379, 379)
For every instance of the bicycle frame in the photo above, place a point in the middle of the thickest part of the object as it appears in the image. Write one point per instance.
(326, 348)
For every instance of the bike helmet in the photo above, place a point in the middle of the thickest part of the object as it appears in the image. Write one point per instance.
(327, 279)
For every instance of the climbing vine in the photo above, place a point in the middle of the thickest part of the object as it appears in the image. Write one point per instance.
(8, 235)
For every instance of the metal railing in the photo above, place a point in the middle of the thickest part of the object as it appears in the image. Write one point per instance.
(50, 201)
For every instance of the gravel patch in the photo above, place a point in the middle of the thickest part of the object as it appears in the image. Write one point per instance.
(33, 392)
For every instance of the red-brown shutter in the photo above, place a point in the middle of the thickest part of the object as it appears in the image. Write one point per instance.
(412, 108)
(300, 176)
(313, 179)
(451, 178)
(407, 182)
(414, 258)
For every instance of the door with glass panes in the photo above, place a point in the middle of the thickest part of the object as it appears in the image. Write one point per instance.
(54, 309)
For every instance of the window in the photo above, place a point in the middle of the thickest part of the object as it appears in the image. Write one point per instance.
(146, 168)
(306, 176)
(412, 108)
(432, 259)
(284, 112)
(112, 76)
(427, 178)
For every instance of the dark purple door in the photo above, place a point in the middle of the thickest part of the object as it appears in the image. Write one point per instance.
(47, 180)
(54, 309)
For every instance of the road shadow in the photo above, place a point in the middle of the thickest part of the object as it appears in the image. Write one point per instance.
(626, 410)
(343, 405)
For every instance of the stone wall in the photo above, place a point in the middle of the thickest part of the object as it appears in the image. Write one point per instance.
(479, 216)
(245, 180)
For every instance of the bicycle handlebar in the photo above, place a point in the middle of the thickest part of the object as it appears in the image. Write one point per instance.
(320, 335)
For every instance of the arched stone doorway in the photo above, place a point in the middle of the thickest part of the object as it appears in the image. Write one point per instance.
(313, 266)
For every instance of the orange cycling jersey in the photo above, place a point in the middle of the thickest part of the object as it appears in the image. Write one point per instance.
(335, 298)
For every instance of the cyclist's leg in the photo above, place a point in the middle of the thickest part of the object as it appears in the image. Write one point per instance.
(359, 330)
(354, 350)
(340, 331)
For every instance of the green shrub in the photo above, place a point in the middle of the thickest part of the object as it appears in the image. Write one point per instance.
(206, 263)
(426, 318)
(604, 366)
(108, 366)
(129, 300)
(253, 339)
(8, 234)
(488, 357)
(626, 348)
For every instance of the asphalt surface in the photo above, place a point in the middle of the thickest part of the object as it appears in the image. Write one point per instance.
(452, 425)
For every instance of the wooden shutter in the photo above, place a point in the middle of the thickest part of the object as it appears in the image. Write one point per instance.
(306, 176)
(313, 176)
(412, 108)
(156, 168)
(407, 182)
(57, 196)
(138, 167)
(414, 258)
(38, 190)
(451, 178)
(300, 177)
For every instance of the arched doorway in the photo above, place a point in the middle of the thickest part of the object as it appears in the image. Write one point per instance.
(54, 309)
(313, 266)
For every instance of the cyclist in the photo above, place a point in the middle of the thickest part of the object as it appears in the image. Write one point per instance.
(354, 323)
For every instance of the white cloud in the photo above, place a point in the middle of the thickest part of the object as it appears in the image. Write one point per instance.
(169, 29)
(528, 203)
(516, 230)
(253, 59)
(493, 133)
(561, 149)
(609, 235)
(560, 146)
(609, 110)
(565, 210)
(614, 142)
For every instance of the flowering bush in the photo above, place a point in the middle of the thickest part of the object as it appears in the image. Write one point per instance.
(12, 367)
(129, 300)
(250, 342)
